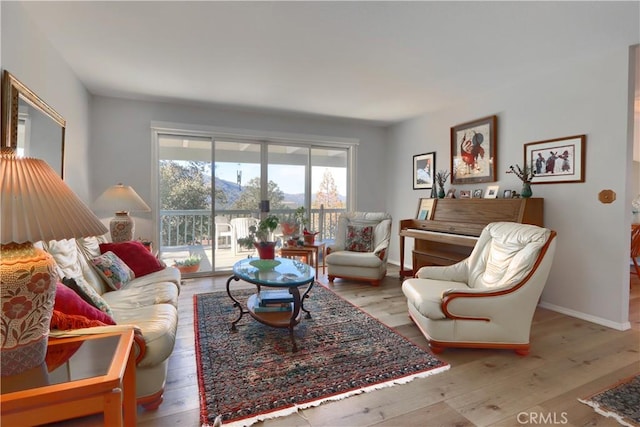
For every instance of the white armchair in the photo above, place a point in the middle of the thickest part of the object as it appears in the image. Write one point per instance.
(361, 247)
(487, 300)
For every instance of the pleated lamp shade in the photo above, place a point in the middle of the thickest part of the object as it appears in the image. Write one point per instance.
(36, 205)
(122, 199)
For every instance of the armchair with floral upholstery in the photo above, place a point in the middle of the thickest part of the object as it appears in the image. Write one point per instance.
(361, 247)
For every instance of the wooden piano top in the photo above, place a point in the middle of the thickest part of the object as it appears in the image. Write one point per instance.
(468, 217)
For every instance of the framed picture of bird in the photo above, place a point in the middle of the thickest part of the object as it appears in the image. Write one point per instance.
(473, 151)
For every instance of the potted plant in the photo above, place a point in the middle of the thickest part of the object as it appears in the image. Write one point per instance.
(309, 236)
(261, 237)
(191, 264)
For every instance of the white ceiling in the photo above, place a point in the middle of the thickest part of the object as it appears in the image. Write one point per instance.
(377, 61)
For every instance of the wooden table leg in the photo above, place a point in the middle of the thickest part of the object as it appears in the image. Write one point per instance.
(129, 391)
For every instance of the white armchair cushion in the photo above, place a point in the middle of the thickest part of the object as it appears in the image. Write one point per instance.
(507, 252)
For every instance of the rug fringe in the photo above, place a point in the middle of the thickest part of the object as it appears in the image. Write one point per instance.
(610, 414)
(245, 422)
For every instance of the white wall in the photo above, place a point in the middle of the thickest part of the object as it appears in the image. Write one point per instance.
(589, 277)
(121, 144)
(29, 56)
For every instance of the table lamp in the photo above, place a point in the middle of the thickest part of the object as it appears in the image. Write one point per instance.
(123, 199)
(36, 205)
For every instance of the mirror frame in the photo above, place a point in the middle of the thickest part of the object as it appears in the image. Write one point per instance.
(12, 91)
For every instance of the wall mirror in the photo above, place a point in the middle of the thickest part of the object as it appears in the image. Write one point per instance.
(30, 126)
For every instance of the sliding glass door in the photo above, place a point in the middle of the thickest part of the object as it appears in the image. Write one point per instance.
(210, 191)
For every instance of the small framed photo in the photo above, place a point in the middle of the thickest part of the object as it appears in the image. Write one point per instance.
(473, 151)
(506, 194)
(424, 166)
(557, 161)
(465, 194)
(477, 193)
(425, 208)
(492, 192)
(451, 194)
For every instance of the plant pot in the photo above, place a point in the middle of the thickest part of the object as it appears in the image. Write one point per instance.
(266, 250)
(310, 238)
(188, 268)
(526, 191)
(441, 193)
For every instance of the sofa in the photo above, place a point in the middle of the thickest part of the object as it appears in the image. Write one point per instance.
(147, 303)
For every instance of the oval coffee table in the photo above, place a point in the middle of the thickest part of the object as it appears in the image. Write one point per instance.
(282, 274)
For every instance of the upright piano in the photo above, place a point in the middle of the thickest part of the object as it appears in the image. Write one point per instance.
(455, 225)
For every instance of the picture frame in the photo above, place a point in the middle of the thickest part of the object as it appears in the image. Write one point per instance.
(477, 193)
(465, 194)
(557, 161)
(492, 192)
(424, 166)
(507, 194)
(425, 208)
(451, 194)
(474, 152)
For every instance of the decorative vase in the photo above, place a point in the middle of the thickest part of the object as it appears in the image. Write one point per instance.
(441, 193)
(526, 190)
(266, 250)
(28, 292)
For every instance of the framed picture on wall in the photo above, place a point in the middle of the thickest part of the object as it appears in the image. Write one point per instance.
(424, 166)
(556, 161)
(425, 208)
(473, 151)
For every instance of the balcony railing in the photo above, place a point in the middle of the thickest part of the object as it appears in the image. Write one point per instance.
(189, 227)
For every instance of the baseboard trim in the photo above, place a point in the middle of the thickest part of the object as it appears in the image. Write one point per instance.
(589, 318)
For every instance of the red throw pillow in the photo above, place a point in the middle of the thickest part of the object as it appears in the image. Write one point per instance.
(68, 302)
(135, 255)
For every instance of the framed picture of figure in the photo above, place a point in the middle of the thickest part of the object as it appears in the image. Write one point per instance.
(556, 161)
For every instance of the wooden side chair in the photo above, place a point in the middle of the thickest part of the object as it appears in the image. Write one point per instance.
(635, 246)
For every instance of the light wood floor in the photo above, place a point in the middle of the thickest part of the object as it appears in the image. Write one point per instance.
(569, 359)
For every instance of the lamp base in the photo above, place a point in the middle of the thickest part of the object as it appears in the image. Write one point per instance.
(121, 227)
(27, 297)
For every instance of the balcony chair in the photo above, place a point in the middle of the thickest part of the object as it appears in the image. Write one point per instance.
(224, 230)
(240, 228)
(488, 299)
(361, 247)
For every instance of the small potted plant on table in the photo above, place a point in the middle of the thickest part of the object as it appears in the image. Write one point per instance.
(188, 265)
(261, 237)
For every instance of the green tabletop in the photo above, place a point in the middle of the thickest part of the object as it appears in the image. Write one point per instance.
(279, 272)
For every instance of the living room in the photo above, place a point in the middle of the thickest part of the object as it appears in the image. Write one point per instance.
(591, 94)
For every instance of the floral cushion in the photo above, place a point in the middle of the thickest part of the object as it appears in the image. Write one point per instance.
(135, 255)
(115, 272)
(88, 293)
(359, 238)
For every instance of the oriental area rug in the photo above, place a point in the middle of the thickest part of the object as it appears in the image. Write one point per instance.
(620, 401)
(252, 374)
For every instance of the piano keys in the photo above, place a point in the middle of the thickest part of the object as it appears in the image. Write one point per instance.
(456, 224)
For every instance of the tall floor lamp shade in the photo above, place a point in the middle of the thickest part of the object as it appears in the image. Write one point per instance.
(122, 199)
(36, 205)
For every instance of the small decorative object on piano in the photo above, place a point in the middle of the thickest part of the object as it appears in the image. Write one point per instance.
(525, 175)
(441, 178)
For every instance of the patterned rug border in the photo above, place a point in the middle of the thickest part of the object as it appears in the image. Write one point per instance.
(314, 402)
(604, 409)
